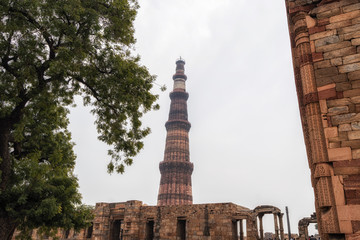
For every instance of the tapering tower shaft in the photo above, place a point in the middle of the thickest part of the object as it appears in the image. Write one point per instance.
(176, 169)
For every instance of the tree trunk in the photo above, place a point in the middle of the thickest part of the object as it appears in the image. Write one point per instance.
(7, 227)
(5, 161)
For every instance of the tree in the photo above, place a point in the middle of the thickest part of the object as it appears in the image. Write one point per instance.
(50, 51)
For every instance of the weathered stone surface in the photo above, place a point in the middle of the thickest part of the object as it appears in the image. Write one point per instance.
(327, 40)
(343, 86)
(355, 99)
(341, 24)
(339, 154)
(338, 110)
(353, 135)
(336, 61)
(345, 16)
(332, 79)
(323, 34)
(339, 102)
(322, 64)
(352, 143)
(345, 118)
(351, 58)
(351, 35)
(326, 72)
(354, 75)
(355, 154)
(352, 93)
(355, 84)
(352, 28)
(323, 106)
(355, 126)
(345, 127)
(334, 46)
(355, 41)
(331, 132)
(352, 7)
(349, 67)
(340, 52)
(330, 13)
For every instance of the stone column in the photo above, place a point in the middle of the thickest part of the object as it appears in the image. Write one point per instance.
(282, 237)
(276, 226)
(261, 227)
(241, 230)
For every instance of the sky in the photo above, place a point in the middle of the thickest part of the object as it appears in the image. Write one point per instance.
(246, 140)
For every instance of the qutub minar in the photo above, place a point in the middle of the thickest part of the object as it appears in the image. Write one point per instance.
(176, 217)
(176, 169)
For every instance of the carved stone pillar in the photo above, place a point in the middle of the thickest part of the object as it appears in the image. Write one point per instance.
(241, 230)
(261, 227)
(282, 237)
(276, 226)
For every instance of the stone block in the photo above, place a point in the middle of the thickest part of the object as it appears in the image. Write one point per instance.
(352, 93)
(327, 94)
(355, 126)
(322, 64)
(325, 8)
(327, 40)
(353, 135)
(340, 52)
(351, 7)
(348, 212)
(355, 84)
(333, 46)
(341, 24)
(349, 67)
(326, 87)
(323, 34)
(338, 110)
(328, 80)
(351, 35)
(354, 75)
(317, 29)
(355, 41)
(345, 118)
(345, 227)
(349, 29)
(343, 86)
(336, 61)
(351, 58)
(341, 137)
(355, 20)
(345, 16)
(330, 13)
(351, 143)
(323, 106)
(339, 154)
(338, 190)
(331, 132)
(317, 56)
(326, 72)
(355, 99)
(338, 102)
(355, 154)
(345, 127)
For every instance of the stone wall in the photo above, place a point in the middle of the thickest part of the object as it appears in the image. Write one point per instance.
(325, 41)
(201, 221)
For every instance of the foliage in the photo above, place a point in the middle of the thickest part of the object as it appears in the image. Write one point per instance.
(52, 50)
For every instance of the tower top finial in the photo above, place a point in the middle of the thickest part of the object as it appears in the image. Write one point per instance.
(180, 62)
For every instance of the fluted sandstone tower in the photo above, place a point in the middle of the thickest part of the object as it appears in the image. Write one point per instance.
(176, 169)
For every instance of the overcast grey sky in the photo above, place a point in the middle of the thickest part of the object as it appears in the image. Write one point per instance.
(246, 140)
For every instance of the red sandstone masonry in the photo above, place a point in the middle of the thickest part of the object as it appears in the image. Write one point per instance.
(334, 32)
